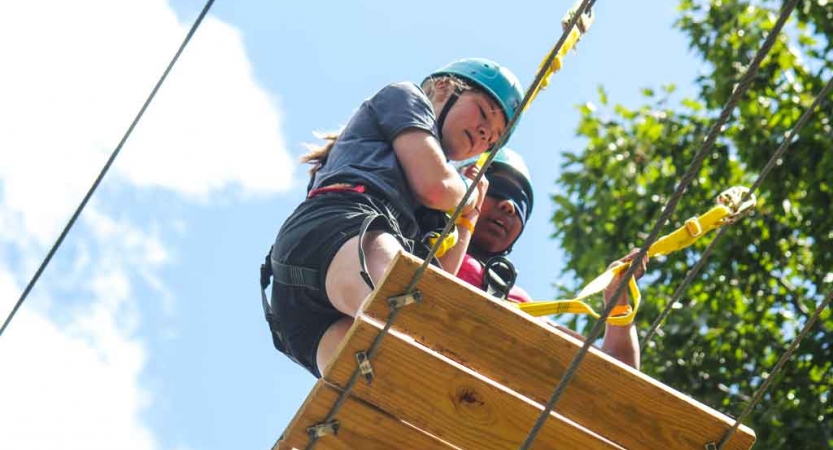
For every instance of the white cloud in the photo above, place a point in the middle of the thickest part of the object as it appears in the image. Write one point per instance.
(71, 387)
(213, 126)
(77, 385)
(81, 377)
(75, 74)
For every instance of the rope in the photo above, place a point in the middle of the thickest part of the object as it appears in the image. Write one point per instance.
(681, 288)
(773, 160)
(354, 377)
(759, 394)
(106, 167)
(539, 77)
(800, 124)
(688, 177)
(411, 287)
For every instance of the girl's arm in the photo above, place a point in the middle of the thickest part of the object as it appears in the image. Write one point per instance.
(622, 342)
(434, 182)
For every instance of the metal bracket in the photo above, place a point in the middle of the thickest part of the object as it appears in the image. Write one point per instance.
(711, 446)
(323, 429)
(364, 366)
(403, 300)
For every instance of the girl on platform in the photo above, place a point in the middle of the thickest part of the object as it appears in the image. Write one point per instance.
(390, 160)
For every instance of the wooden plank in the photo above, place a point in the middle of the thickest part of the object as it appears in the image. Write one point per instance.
(361, 426)
(447, 400)
(528, 356)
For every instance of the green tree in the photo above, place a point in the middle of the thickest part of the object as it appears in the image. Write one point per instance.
(771, 269)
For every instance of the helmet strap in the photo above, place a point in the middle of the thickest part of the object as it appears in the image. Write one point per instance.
(446, 108)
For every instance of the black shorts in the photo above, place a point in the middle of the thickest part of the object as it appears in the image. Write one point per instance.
(309, 239)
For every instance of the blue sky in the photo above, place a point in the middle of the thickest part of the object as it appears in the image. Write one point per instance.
(146, 330)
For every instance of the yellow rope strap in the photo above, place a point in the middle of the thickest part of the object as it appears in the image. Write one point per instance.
(581, 27)
(730, 207)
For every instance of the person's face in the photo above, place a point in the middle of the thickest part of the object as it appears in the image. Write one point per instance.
(499, 224)
(472, 125)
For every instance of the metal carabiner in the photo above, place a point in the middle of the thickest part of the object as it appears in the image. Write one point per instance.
(739, 200)
(584, 21)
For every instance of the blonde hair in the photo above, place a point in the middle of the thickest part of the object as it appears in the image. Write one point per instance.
(429, 86)
(316, 155)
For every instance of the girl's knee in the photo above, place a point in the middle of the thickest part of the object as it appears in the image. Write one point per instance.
(381, 248)
(345, 286)
(343, 289)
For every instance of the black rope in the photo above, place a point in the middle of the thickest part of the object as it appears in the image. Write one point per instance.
(411, 287)
(104, 170)
(773, 161)
(759, 394)
(798, 126)
(681, 288)
(669, 208)
(354, 377)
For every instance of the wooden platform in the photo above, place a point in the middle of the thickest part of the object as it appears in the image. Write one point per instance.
(463, 370)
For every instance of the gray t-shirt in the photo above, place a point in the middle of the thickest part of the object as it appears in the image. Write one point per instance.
(363, 153)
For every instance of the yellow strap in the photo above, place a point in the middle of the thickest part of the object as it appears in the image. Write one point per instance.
(620, 316)
(581, 27)
(447, 243)
(482, 160)
(692, 230)
(731, 205)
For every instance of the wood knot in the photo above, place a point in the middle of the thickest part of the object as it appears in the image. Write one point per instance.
(468, 397)
(472, 404)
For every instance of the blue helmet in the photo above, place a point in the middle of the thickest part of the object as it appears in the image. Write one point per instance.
(512, 162)
(497, 81)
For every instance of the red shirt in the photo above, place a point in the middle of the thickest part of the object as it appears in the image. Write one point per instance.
(472, 273)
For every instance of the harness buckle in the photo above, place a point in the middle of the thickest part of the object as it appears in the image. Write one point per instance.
(693, 227)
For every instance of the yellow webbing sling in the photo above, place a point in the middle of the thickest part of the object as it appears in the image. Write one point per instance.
(729, 208)
(582, 25)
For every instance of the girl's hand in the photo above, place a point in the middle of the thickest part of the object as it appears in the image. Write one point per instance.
(640, 270)
(472, 209)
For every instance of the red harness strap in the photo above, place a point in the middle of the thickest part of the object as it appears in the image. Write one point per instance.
(338, 187)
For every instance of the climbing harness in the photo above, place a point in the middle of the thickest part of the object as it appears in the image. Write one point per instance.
(285, 274)
(309, 278)
(372, 218)
(730, 207)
